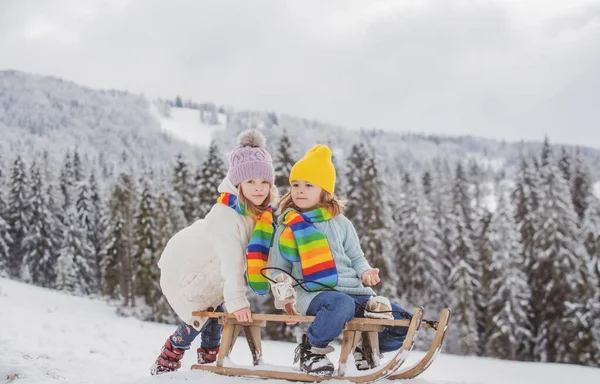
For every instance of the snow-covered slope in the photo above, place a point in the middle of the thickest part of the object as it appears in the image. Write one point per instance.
(184, 124)
(50, 337)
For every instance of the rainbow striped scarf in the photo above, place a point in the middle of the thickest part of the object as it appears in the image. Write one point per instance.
(257, 252)
(301, 241)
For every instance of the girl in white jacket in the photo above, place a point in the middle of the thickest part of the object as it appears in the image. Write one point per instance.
(205, 265)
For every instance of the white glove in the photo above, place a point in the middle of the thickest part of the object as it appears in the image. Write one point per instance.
(283, 292)
(379, 304)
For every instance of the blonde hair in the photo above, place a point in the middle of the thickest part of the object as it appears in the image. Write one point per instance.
(326, 200)
(251, 208)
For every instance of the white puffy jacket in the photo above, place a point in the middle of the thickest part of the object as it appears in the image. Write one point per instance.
(204, 264)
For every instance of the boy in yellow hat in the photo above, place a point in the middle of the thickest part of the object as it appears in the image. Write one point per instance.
(315, 243)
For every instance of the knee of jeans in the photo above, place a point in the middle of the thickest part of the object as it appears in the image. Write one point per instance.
(345, 306)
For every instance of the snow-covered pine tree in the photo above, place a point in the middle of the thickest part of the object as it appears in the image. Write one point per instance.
(117, 263)
(564, 164)
(418, 247)
(590, 233)
(145, 270)
(74, 267)
(39, 244)
(98, 224)
(354, 186)
(111, 260)
(211, 174)
(283, 163)
(373, 237)
(559, 270)
(84, 211)
(441, 204)
(78, 173)
(67, 183)
(581, 186)
(526, 199)
(18, 215)
(5, 239)
(184, 187)
(546, 153)
(464, 277)
(510, 293)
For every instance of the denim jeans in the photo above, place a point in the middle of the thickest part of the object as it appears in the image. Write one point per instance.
(210, 332)
(334, 309)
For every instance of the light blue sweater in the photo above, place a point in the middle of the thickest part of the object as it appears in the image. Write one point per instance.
(348, 257)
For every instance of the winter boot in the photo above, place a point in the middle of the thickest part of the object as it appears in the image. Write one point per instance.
(168, 360)
(207, 355)
(360, 358)
(313, 360)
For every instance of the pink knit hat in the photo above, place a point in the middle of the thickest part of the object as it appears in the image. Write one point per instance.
(250, 159)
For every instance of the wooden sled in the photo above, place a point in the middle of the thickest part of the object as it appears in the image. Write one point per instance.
(358, 328)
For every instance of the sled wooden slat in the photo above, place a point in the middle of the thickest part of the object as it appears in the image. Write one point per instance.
(434, 349)
(307, 319)
(368, 377)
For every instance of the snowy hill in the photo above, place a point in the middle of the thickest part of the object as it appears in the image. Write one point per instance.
(71, 339)
(40, 114)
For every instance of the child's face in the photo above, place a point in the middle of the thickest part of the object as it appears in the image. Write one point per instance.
(256, 190)
(305, 195)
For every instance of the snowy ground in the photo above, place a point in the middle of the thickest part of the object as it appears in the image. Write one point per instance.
(48, 337)
(185, 124)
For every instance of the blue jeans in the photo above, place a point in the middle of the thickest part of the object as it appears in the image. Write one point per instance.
(334, 309)
(211, 331)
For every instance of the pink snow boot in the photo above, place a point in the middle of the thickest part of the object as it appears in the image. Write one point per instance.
(207, 355)
(168, 360)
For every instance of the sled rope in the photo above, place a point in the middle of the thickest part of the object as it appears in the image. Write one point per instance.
(300, 283)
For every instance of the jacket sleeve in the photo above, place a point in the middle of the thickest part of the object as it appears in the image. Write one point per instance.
(352, 248)
(276, 259)
(226, 231)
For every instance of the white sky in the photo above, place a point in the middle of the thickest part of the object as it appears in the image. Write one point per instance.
(504, 69)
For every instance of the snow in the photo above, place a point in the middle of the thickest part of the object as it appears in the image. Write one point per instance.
(47, 336)
(185, 124)
(596, 189)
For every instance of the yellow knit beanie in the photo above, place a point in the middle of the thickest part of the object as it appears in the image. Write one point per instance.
(316, 168)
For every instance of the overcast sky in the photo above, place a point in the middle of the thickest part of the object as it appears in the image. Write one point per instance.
(503, 69)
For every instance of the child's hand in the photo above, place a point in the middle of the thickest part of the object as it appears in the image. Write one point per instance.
(371, 277)
(243, 315)
(290, 310)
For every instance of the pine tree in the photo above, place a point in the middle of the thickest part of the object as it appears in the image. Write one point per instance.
(564, 164)
(182, 184)
(39, 245)
(111, 260)
(365, 211)
(74, 267)
(590, 233)
(78, 174)
(526, 199)
(97, 227)
(427, 183)
(283, 163)
(354, 180)
(67, 183)
(5, 239)
(581, 187)
(117, 265)
(464, 276)
(212, 173)
(18, 216)
(546, 153)
(558, 269)
(417, 249)
(84, 211)
(145, 270)
(508, 305)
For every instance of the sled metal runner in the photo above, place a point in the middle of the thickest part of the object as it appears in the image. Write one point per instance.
(358, 328)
